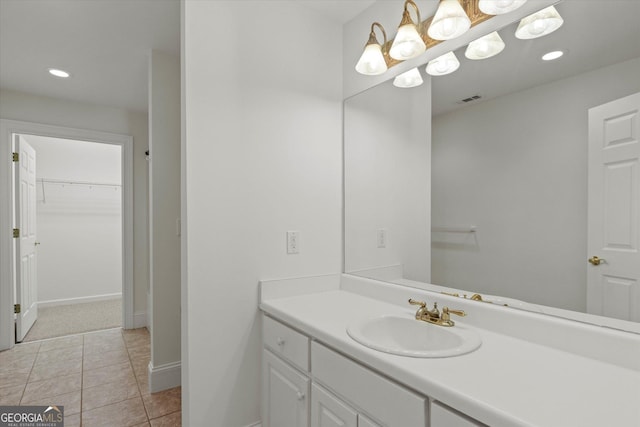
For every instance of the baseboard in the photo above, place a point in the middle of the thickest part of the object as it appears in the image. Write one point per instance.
(164, 376)
(140, 320)
(255, 425)
(79, 300)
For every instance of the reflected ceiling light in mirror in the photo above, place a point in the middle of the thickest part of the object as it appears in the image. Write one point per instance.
(411, 78)
(443, 65)
(485, 47)
(59, 73)
(372, 61)
(499, 7)
(550, 56)
(539, 24)
(408, 43)
(449, 22)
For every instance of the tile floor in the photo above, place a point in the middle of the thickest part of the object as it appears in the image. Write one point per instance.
(99, 377)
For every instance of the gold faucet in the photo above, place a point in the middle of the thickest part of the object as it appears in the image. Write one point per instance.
(434, 316)
(476, 297)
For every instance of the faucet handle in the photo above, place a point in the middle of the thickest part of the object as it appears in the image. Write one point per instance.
(446, 311)
(422, 304)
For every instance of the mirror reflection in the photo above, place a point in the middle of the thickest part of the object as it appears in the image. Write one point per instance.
(491, 196)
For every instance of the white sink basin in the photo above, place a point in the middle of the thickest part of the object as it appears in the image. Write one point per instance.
(406, 336)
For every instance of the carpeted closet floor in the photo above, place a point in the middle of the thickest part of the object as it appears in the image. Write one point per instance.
(73, 319)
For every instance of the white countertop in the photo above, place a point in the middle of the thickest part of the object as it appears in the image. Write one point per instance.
(506, 382)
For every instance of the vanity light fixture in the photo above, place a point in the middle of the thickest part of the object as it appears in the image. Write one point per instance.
(550, 56)
(408, 42)
(59, 73)
(372, 61)
(499, 7)
(411, 78)
(449, 22)
(539, 24)
(485, 47)
(443, 65)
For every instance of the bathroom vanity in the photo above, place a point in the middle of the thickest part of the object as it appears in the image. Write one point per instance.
(529, 370)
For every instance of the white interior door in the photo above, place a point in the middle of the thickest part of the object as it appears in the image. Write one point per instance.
(26, 260)
(614, 209)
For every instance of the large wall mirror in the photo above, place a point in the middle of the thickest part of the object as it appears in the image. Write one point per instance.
(490, 196)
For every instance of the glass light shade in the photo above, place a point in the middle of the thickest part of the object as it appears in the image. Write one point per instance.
(411, 78)
(485, 47)
(498, 7)
(539, 24)
(407, 44)
(442, 65)
(372, 62)
(450, 21)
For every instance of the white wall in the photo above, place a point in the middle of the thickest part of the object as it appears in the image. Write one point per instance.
(39, 109)
(262, 108)
(164, 209)
(387, 149)
(78, 226)
(516, 167)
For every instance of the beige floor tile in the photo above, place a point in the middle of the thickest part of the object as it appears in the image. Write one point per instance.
(11, 395)
(52, 387)
(99, 360)
(63, 342)
(17, 362)
(70, 401)
(122, 414)
(13, 378)
(171, 420)
(60, 354)
(139, 352)
(143, 425)
(24, 348)
(71, 420)
(163, 403)
(43, 370)
(108, 374)
(107, 394)
(110, 344)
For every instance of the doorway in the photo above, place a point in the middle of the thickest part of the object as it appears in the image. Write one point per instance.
(78, 244)
(103, 190)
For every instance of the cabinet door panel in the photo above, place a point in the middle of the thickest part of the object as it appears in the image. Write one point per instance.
(366, 422)
(328, 411)
(285, 394)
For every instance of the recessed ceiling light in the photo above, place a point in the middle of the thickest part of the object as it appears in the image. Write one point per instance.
(552, 55)
(59, 73)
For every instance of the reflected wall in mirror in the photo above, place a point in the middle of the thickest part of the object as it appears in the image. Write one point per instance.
(512, 163)
(387, 186)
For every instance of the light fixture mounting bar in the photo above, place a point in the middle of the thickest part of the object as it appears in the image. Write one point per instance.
(471, 8)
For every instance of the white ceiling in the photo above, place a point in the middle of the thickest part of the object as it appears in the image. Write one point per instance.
(104, 44)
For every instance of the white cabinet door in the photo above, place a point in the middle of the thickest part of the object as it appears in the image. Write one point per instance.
(285, 394)
(328, 411)
(443, 417)
(366, 422)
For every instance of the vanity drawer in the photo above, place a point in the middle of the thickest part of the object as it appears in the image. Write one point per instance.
(286, 343)
(384, 400)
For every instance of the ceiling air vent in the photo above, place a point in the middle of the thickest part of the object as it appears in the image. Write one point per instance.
(469, 99)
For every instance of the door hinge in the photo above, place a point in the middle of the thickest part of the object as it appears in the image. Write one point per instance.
(16, 157)
(16, 233)
(16, 308)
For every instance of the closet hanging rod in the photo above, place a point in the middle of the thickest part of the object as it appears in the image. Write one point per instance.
(72, 182)
(454, 229)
